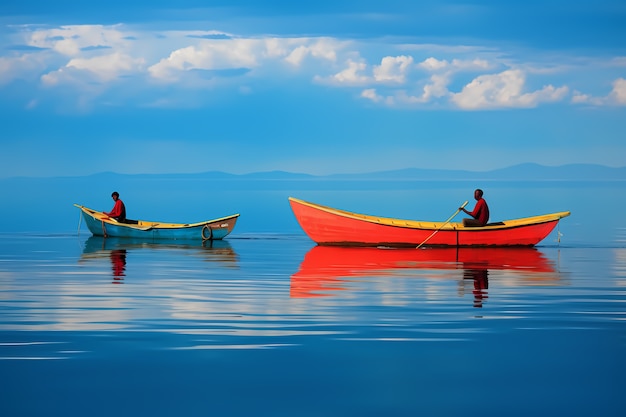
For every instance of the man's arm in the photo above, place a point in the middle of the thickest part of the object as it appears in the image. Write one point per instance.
(117, 209)
(478, 208)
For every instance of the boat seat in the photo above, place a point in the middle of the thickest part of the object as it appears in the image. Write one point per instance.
(486, 225)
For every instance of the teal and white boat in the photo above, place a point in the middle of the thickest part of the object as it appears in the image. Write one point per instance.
(100, 224)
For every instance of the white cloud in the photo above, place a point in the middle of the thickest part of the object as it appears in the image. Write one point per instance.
(107, 67)
(352, 75)
(103, 68)
(504, 90)
(72, 40)
(471, 65)
(19, 67)
(617, 96)
(435, 89)
(580, 98)
(435, 65)
(238, 53)
(438, 87)
(297, 55)
(209, 55)
(371, 94)
(323, 48)
(393, 69)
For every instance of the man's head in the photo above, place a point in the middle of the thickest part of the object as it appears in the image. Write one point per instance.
(115, 195)
(478, 193)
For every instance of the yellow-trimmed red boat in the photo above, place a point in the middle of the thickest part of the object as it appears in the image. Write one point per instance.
(333, 227)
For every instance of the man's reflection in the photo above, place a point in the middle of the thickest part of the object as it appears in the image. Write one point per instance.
(481, 284)
(118, 265)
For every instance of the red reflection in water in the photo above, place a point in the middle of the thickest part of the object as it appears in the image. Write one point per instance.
(118, 265)
(481, 284)
(324, 268)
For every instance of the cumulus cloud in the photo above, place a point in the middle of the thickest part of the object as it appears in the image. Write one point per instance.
(504, 90)
(580, 98)
(101, 68)
(372, 95)
(353, 74)
(323, 48)
(235, 53)
(435, 65)
(72, 40)
(19, 67)
(436, 88)
(107, 67)
(208, 55)
(617, 96)
(393, 69)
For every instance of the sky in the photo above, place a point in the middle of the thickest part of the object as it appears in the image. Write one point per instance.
(353, 86)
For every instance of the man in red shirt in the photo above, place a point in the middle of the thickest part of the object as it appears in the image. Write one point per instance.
(480, 213)
(119, 210)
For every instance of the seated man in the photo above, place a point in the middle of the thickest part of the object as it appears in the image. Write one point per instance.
(480, 214)
(119, 210)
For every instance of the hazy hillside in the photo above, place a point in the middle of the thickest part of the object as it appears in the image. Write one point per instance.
(522, 172)
(575, 172)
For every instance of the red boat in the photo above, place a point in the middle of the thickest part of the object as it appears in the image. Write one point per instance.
(329, 226)
(328, 269)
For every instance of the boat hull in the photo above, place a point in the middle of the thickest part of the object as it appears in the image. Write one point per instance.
(101, 225)
(328, 226)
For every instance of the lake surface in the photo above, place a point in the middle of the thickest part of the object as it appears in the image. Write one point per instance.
(266, 323)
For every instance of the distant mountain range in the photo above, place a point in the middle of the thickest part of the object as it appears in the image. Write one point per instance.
(522, 172)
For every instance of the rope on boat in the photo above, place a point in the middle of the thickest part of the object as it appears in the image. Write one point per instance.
(80, 217)
(210, 237)
(104, 230)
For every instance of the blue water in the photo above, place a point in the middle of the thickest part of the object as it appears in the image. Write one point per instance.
(266, 323)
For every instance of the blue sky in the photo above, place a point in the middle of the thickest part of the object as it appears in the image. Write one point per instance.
(328, 87)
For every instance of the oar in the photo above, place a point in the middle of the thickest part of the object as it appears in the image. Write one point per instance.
(441, 227)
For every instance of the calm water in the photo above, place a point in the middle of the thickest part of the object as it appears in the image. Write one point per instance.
(269, 324)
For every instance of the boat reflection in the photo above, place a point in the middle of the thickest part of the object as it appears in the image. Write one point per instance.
(116, 250)
(327, 269)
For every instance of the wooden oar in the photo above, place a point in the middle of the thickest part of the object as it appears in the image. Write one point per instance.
(441, 227)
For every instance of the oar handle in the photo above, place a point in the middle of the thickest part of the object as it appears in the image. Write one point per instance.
(442, 225)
